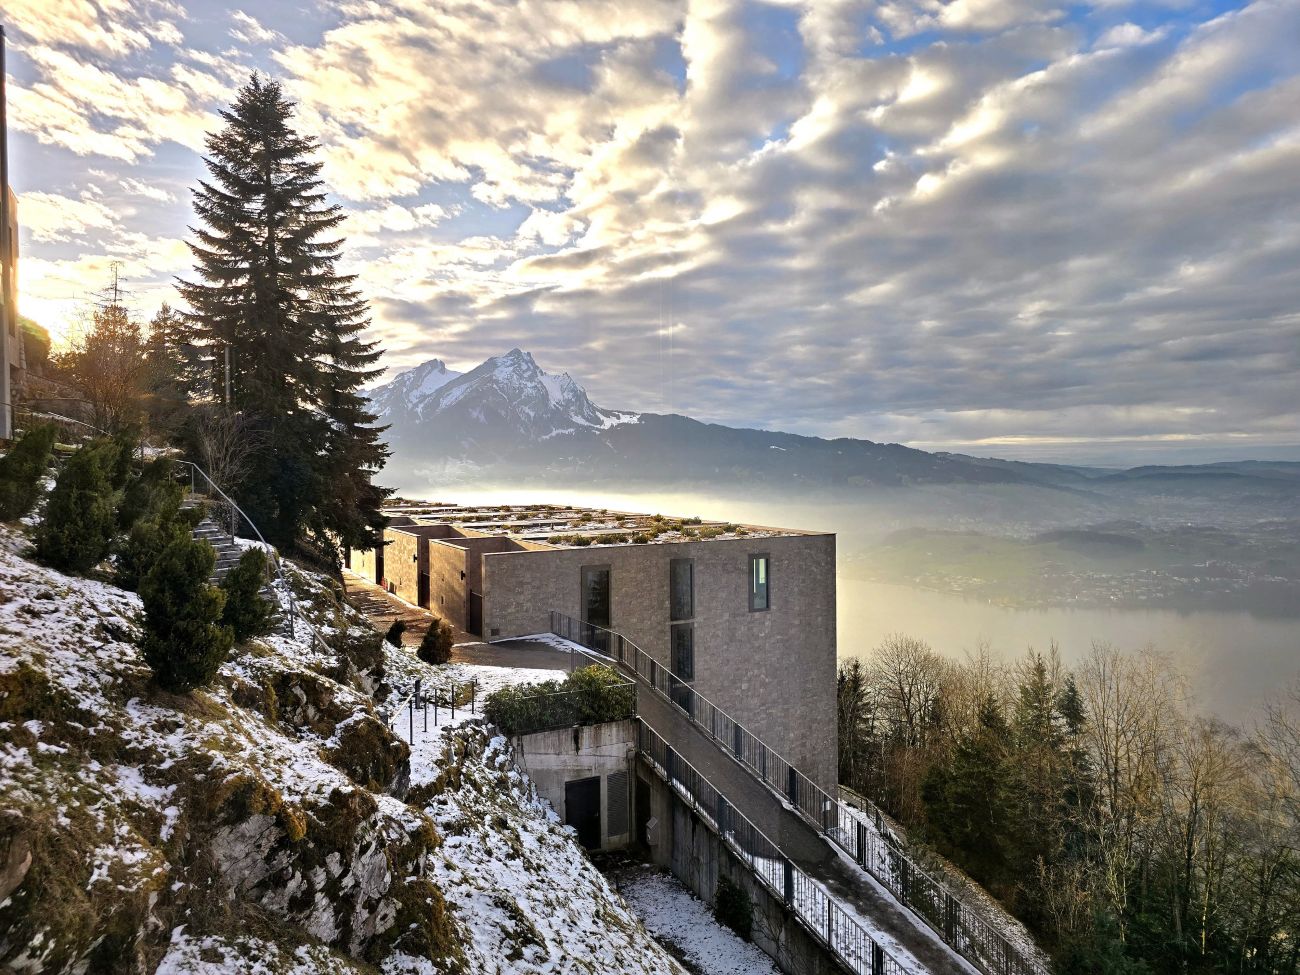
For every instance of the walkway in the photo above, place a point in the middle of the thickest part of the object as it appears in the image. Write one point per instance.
(798, 840)
(382, 608)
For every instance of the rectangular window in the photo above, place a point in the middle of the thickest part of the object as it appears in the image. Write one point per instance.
(681, 589)
(760, 570)
(683, 638)
(595, 594)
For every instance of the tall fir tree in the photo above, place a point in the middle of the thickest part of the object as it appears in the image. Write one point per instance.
(281, 327)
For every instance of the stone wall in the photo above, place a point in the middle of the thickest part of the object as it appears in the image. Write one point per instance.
(553, 758)
(773, 671)
(691, 850)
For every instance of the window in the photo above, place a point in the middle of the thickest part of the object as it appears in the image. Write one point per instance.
(760, 570)
(681, 589)
(683, 638)
(595, 607)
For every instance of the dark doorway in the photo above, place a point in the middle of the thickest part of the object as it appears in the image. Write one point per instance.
(422, 590)
(379, 564)
(582, 810)
(475, 623)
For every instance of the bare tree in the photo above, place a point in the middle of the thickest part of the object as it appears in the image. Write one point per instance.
(106, 361)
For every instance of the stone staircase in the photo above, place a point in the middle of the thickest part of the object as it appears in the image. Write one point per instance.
(228, 552)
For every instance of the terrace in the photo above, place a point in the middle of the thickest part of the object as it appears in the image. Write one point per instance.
(558, 526)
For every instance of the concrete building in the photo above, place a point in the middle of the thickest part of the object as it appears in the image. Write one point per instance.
(743, 613)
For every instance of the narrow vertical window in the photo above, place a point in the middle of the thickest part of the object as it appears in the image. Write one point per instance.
(681, 589)
(683, 636)
(759, 582)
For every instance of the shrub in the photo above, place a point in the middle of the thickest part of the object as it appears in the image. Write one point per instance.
(21, 471)
(394, 634)
(161, 521)
(183, 642)
(79, 521)
(590, 695)
(149, 493)
(732, 907)
(247, 612)
(435, 646)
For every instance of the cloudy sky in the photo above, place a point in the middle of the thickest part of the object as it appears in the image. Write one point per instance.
(1015, 227)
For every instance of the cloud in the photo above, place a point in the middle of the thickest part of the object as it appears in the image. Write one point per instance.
(53, 217)
(971, 222)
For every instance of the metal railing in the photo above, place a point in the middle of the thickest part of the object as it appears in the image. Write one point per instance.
(418, 699)
(868, 842)
(294, 617)
(813, 906)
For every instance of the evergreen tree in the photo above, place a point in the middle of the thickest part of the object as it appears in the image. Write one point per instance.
(435, 645)
(279, 326)
(172, 371)
(183, 641)
(247, 611)
(21, 471)
(80, 517)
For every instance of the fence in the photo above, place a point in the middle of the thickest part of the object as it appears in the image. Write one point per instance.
(864, 838)
(447, 698)
(820, 914)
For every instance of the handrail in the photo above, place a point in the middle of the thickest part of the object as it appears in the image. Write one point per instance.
(812, 905)
(294, 615)
(871, 845)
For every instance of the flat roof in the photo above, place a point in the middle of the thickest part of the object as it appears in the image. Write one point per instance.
(564, 526)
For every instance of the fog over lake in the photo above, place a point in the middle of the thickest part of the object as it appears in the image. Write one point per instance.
(1233, 660)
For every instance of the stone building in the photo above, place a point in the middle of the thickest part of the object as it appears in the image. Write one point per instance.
(745, 614)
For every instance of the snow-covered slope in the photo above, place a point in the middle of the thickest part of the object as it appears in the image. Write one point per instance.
(272, 822)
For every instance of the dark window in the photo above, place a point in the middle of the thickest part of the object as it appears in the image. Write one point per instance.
(683, 637)
(681, 585)
(595, 594)
(760, 571)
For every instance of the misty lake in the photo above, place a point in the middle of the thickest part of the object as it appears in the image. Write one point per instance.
(1233, 660)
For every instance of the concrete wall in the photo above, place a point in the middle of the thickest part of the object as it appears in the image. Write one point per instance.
(552, 758)
(773, 671)
(684, 844)
(448, 573)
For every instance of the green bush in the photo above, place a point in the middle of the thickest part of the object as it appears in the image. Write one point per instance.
(247, 611)
(21, 471)
(733, 907)
(80, 517)
(149, 493)
(160, 522)
(394, 634)
(435, 646)
(590, 695)
(183, 642)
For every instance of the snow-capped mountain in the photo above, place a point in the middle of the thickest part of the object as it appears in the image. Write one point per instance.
(506, 400)
(508, 417)
(410, 391)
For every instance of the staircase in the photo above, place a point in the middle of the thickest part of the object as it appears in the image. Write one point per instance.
(228, 552)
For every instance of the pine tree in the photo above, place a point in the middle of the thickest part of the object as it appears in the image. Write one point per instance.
(21, 471)
(183, 641)
(80, 517)
(247, 611)
(280, 327)
(172, 371)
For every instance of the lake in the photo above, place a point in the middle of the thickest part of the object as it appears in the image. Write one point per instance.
(1233, 660)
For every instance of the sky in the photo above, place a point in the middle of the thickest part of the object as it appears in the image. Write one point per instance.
(1021, 228)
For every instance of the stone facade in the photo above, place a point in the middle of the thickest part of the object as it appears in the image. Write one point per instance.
(772, 670)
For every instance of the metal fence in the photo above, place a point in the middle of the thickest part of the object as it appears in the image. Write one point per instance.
(865, 838)
(419, 699)
(822, 915)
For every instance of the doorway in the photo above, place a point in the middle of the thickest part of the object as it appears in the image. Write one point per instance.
(582, 810)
